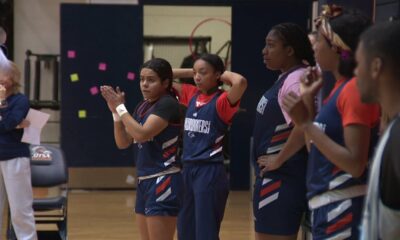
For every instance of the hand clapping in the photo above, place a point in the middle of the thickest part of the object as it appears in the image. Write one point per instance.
(311, 82)
(112, 97)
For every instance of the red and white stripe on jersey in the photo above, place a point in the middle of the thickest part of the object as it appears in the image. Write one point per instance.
(169, 151)
(279, 138)
(217, 145)
(269, 191)
(338, 180)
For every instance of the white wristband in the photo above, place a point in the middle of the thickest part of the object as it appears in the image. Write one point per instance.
(116, 117)
(121, 110)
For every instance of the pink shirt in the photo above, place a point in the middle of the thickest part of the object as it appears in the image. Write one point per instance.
(291, 84)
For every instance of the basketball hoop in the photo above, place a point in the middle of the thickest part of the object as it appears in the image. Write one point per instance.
(195, 29)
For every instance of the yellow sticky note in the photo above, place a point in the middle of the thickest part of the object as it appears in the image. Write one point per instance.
(74, 77)
(82, 113)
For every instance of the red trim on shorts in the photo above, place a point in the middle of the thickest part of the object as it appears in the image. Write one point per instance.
(270, 188)
(163, 186)
(340, 224)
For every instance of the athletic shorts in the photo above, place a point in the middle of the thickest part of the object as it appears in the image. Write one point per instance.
(338, 220)
(278, 205)
(160, 196)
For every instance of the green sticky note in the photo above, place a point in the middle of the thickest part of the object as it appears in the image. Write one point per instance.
(74, 77)
(82, 113)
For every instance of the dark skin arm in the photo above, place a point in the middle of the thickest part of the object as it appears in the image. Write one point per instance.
(274, 161)
(311, 83)
(296, 139)
(351, 158)
(237, 83)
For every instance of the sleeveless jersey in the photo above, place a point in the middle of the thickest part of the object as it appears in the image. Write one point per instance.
(271, 130)
(322, 174)
(203, 132)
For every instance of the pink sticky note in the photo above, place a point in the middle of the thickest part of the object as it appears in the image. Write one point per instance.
(71, 54)
(131, 76)
(94, 90)
(102, 66)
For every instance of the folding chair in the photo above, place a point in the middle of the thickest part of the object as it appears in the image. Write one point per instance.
(49, 170)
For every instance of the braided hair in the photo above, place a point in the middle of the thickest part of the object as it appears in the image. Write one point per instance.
(293, 35)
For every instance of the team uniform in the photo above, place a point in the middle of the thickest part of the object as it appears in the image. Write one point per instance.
(279, 197)
(382, 206)
(206, 184)
(159, 190)
(15, 170)
(335, 197)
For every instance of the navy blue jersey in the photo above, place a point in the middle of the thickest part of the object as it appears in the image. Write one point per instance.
(322, 174)
(271, 131)
(203, 132)
(160, 153)
(10, 137)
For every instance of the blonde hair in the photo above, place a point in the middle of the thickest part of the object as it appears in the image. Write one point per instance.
(11, 70)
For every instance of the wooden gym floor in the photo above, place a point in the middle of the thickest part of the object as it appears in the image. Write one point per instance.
(108, 215)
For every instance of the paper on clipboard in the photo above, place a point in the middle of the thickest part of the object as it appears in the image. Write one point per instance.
(37, 120)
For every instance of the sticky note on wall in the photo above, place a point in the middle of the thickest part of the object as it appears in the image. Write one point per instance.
(74, 77)
(130, 76)
(94, 90)
(82, 113)
(71, 54)
(102, 66)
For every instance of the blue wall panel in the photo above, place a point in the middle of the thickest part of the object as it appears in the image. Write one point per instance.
(110, 34)
(250, 25)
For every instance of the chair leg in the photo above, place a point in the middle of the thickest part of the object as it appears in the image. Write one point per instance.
(62, 229)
